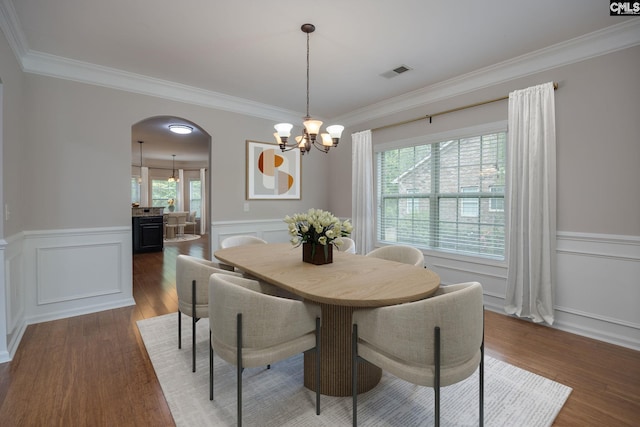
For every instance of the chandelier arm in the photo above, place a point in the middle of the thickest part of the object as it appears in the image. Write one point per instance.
(288, 147)
(324, 148)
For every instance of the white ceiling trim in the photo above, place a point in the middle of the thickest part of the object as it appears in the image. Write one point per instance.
(10, 26)
(607, 40)
(84, 72)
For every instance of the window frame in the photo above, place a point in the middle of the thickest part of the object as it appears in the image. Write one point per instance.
(456, 134)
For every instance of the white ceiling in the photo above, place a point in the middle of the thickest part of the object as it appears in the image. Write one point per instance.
(255, 50)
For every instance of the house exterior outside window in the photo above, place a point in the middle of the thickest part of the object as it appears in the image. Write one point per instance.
(446, 195)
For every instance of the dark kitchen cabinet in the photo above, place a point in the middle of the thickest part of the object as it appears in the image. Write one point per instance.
(147, 234)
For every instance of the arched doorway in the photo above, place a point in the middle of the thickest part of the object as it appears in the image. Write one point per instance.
(164, 154)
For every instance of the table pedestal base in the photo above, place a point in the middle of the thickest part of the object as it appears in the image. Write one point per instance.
(335, 366)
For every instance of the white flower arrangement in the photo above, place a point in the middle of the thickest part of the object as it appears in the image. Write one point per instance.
(317, 227)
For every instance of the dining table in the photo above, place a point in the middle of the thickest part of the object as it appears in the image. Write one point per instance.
(351, 282)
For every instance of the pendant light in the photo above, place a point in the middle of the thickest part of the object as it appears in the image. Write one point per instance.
(173, 177)
(140, 177)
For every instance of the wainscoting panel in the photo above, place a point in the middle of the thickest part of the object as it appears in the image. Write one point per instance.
(14, 292)
(72, 272)
(78, 271)
(12, 308)
(598, 292)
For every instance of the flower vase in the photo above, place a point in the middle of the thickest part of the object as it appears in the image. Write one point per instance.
(323, 254)
(172, 208)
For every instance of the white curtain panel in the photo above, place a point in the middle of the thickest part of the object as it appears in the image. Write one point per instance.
(203, 201)
(531, 196)
(180, 186)
(144, 187)
(362, 201)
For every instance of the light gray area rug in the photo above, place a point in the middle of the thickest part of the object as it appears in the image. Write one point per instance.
(277, 397)
(182, 238)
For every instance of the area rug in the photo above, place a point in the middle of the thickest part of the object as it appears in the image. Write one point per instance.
(182, 238)
(277, 397)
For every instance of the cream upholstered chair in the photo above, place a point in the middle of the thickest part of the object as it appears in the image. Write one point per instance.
(399, 253)
(348, 245)
(191, 221)
(182, 223)
(192, 286)
(249, 328)
(240, 240)
(171, 226)
(433, 342)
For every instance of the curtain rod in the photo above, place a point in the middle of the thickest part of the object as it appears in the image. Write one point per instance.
(429, 116)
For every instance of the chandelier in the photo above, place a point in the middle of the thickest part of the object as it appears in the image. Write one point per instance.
(173, 177)
(311, 127)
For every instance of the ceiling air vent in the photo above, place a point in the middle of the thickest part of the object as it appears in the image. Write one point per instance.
(396, 71)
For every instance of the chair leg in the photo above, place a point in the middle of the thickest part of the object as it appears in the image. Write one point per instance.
(481, 376)
(436, 380)
(179, 329)
(354, 374)
(239, 366)
(210, 368)
(193, 325)
(317, 366)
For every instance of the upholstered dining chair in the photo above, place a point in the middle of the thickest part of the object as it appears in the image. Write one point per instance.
(399, 253)
(191, 221)
(171, 226)
(192, 286)
(182, 223)
(240, 240)
(249, 328)
(433, 342)
(348, 245)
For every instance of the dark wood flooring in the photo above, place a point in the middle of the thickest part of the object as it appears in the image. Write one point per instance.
(93, 370)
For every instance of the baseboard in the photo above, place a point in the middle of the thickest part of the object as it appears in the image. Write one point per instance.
(79, 311)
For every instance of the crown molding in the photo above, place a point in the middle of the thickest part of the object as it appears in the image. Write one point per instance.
(601, 42)
(69, 69)
(10, 26)
(55, 66)
(607, 40)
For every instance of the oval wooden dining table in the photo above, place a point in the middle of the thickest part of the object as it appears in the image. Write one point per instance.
(351, 282)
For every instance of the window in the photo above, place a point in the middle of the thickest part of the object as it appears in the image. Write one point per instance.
(496, 204)
(135, 190)
(195, 196)
(469, 207)
(446, 195)
(161, 191)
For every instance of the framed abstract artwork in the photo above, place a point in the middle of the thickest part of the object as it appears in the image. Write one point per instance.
(271, 173)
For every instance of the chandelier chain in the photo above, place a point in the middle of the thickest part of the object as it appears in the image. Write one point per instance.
(308, 75)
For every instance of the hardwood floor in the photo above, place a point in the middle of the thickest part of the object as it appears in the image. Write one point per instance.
(93, 370)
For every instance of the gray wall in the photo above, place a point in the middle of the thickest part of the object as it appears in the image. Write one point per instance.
(78, 156)
(598, 140)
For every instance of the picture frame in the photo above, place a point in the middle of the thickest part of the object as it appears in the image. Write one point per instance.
(271, 173)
